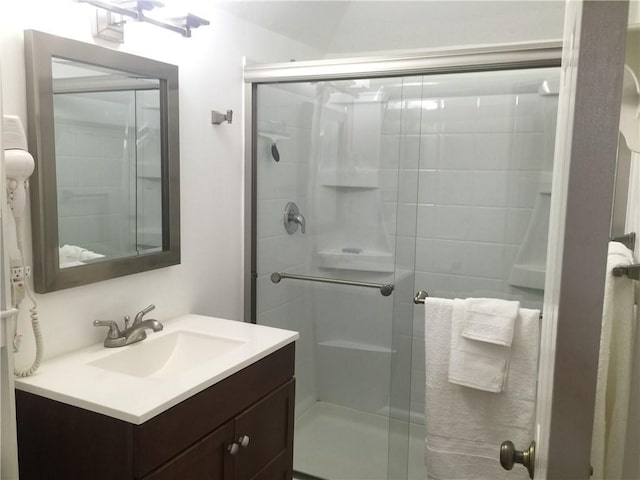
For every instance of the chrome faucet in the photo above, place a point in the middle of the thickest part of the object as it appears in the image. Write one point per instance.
(135, 333)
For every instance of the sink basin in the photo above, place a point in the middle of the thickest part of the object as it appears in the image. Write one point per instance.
(139, 381)
(168, 355)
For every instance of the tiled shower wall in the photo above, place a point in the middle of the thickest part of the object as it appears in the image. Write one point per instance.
(285, 116)
(477, 162)
(459, 174)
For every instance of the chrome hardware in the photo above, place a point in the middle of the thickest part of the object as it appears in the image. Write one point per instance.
(217, 118)
(509, 456)
(114, 330)
(233, 448)
(385, 289)
(244, 441)
(293, 218)
(138, 318)
(420, 297)
(628, 240)
(631, 271)
(274, 152)
(135, 333)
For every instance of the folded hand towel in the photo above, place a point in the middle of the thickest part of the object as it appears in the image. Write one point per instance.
(475, 364)
(490, 320)
(465, 426)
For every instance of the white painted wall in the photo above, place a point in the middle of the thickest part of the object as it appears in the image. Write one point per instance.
(209, 279)
(347, 28)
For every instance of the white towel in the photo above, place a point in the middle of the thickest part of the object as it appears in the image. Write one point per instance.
(475, 364)
(614, 370)
(465, 427)
(490, 320)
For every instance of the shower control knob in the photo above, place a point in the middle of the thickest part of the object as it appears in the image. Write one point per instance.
(233, 448)
(244, 441)
(509, 456)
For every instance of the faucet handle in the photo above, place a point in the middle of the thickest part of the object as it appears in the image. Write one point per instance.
(138, 318)
(114, 331)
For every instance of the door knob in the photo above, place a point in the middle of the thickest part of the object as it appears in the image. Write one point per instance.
(233, 448)
(509, 456)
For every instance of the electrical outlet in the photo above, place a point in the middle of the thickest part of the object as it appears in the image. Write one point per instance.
(27, 271)
(17, 274)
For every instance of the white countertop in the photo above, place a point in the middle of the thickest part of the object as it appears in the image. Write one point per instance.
(72, 379)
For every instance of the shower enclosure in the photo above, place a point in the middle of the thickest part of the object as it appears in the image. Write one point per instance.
(432, 175)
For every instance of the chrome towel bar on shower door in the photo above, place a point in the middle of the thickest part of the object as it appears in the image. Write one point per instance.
(385, 289)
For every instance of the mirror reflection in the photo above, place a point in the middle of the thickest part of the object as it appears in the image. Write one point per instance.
(108, 163)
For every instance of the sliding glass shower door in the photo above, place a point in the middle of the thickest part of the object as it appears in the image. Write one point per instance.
(366, 191)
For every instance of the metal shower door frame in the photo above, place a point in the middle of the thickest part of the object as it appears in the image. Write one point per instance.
(441, 61)
(495, 58)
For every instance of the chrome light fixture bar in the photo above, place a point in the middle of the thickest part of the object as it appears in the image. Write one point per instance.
(135, 9)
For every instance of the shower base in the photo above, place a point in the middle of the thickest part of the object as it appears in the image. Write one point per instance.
(338, 443)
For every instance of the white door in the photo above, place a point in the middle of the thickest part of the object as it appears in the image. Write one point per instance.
(584, 171)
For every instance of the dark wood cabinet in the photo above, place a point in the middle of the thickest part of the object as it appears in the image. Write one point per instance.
(238, 429)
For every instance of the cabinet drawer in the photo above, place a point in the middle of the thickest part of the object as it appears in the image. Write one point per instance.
(206, 460)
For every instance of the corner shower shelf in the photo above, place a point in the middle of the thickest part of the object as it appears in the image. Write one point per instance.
(360, 178)
(368, 261)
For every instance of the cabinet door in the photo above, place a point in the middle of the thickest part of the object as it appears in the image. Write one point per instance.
(208, 459)
(269, 426)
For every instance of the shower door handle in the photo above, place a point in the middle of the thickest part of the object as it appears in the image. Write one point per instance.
(509, 456)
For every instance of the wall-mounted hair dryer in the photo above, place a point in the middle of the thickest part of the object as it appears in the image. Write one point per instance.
(18, 164)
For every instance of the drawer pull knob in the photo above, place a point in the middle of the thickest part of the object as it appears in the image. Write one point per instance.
(244, 441)
(233, 448)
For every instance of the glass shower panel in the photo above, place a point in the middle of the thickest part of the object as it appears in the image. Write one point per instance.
(321, 146)
(486, 156)
(438, 183)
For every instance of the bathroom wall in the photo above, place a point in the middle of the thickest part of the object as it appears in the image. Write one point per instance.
(369, 27)
(284, 118)
(208, 281)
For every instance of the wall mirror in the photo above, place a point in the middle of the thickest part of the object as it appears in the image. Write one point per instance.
(103, 129)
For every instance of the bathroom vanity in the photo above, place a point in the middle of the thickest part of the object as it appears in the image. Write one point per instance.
(236, 427)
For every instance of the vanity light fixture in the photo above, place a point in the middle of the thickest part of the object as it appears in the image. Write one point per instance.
(108, 23)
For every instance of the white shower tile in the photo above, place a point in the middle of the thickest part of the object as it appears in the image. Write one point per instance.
(490, 188)
(494, 150)
(529, 115)
(518, 221)
(429, 151)
(428, 182)
(408, 186)
(431, 115)
(389, 184)
(410, 152)
(529, 151)
(523, 189)
(487, 224)
(426, 254)
(391, 117)
(495, 113)
(406, 220)
(452, 222)
(455, 187)
(457, 152)
(460, 114)
(389, 151)
(426, 221)
(411, 116)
